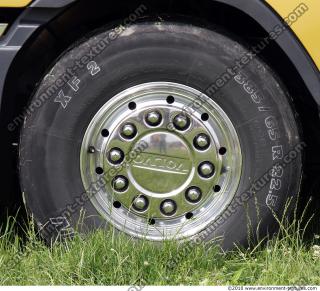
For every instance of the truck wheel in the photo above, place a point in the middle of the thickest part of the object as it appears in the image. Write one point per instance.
(162, 131)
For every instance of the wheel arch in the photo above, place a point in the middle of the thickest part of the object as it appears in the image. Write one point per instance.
(255, 19)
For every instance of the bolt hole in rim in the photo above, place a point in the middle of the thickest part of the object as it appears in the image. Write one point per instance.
(170, 99)
(189, 215)
(151, 221)
(105, 133)
(99, 171)
(183, 179)
(117, 204)
(205, 117)
(217, 188)
(132, 105)
(222, 151)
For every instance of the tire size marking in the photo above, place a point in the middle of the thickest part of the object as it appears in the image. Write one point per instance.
(274, 135)
(276, 172)
(93, 68)
(273, 128)
(249, 87)
(275, 185)
(277, 152)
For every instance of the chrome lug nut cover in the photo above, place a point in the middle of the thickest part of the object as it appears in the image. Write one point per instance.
(120, 183)
(116, 156)
(193, 194)
(206, 169)
(129, 131)
(181, 122)
(140, 203)
(202, 142)
(154, 118)
(168, 207)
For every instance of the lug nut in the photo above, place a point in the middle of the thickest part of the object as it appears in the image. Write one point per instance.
(154, 118)
(129, 131)
(206, 169)
(91, 150)
(140, 203)
(120, 183)
(168, 207)
(193, 194)
(116, 156)
(202, 142)
(181, 122)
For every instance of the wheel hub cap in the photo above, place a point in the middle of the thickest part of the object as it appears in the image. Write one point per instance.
(174, 175)
(164, 168)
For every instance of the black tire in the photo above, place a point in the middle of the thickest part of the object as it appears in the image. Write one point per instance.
(51, 137)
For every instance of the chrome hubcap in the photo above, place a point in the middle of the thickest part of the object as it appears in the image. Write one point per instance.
(174, 177)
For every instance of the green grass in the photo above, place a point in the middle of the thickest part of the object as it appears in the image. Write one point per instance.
(105, 259)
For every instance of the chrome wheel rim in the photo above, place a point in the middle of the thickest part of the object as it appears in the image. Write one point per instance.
(165, 167)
